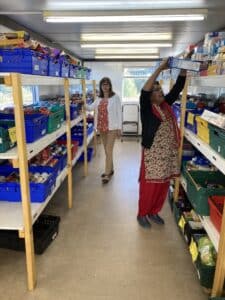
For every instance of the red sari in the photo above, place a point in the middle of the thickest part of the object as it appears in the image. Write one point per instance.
(159, 164)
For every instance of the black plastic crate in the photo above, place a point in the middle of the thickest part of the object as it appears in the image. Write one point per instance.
(189, 231)
(45, 230)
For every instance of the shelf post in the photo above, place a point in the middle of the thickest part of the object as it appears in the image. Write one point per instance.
(24, 180)
(95, 133)
(83, 83)
(220, 265)
(69, 143)
(182, 123)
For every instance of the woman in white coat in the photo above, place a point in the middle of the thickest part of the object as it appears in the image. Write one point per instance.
(108, 114)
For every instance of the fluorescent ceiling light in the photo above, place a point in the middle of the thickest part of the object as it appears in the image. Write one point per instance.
(118, 19)
(128, 45)
(118, 5)
(112, 16)
(92, 37)
(126, 57)
(127, 51)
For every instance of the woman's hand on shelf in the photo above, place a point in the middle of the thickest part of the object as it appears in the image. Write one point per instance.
(164, 65)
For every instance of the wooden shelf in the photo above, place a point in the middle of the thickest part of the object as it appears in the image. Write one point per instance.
(34, 148)
(216, 159)
(208, 81)
(211, 231)
(11, 217)
(206, 222)
(29, 79)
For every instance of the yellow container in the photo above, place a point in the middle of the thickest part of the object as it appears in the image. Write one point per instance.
(202, 129)
(12, 134)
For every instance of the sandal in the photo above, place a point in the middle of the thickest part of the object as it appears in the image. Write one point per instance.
(105, 179)
(111, 174)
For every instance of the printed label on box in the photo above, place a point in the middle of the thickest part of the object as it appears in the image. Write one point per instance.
(190, 118)
(193, 250)
(12, 134)
(36, 67)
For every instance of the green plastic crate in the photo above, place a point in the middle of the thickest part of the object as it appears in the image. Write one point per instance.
(5, 142)
(205, 274)
(176, 212)
(55, 120)
(217, 298)
(217, 139)
(198, 193)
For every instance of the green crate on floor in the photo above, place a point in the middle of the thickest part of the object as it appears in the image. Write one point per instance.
(176, 212)
(217, 298)
(55, 120)
(217, 139)
(205, 274)
(197, 191)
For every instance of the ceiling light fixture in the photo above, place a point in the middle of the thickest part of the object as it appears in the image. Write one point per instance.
(127, 51)
(118, 5)
(124, 16)
(93, 37)
(128, 45)
(107, 57)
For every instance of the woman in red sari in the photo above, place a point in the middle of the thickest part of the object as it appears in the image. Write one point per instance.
(160, 141)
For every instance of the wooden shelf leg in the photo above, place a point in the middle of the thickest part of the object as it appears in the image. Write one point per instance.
(85, 127)
(182, 124)
(220, 265)
(24, 180)
(69, 144)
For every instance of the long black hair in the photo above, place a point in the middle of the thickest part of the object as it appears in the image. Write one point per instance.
(105, 80)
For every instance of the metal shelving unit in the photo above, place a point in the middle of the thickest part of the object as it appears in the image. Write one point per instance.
(217, 239)
(21, 216)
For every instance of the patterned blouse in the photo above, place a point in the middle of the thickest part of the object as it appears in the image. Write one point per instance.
(103, 123)
(161, 160)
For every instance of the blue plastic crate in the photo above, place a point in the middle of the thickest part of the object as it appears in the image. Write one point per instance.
(90, 152)
(35, 125)
(62, 161)
(23, 61)
(79, 129)
(11, 191)
(74, 69)
(74, 111)
(56, 170)
(54, 67)
(64, 67)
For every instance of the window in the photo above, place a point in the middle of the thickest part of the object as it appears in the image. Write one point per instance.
(6, 98)
(133, 81)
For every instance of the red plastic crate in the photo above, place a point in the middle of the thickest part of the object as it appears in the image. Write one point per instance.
(216, 204)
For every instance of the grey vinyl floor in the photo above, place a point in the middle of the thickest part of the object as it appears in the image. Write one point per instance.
(101, 253)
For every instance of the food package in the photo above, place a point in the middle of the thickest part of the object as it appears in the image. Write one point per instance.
(207, 251)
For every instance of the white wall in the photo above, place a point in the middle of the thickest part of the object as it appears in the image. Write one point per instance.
(114, 70)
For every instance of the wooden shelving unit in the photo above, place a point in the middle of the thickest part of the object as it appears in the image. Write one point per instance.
(217, 239)
(21, 216)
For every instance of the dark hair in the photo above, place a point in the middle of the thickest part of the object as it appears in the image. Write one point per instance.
(105, 80)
